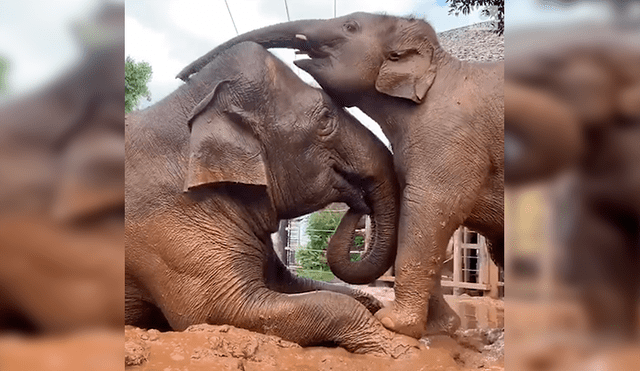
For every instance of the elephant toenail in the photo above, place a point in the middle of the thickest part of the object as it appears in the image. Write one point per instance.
(387, 322)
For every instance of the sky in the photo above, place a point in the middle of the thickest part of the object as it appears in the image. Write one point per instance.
(35, 35)
(36, 38)
(170, 34)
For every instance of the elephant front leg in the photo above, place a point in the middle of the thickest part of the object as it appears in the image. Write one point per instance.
(441, 319)
(424, 231)
(280, 279)
(323, 317)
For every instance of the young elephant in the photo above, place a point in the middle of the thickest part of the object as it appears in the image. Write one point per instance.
(209, 172)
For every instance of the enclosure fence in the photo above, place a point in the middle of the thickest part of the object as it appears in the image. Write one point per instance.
(467, 268)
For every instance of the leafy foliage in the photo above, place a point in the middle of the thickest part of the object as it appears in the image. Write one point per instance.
(321, 226)
(492, 8)
(136, 78)
(312, 257)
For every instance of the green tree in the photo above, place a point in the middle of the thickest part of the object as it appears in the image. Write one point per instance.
(492, 8)
(312, 258)
(136, 78)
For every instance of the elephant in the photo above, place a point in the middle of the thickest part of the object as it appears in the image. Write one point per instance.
(210, 171)
(62, 193)
(574, 106)
(444, 119)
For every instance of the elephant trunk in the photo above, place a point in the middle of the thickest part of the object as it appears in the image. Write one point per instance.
(382, 196)
(281, 35)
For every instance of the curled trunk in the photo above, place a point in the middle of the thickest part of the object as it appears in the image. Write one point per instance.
(382, 252)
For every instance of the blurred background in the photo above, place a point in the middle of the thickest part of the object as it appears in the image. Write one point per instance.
(572, 161)
(61, 185)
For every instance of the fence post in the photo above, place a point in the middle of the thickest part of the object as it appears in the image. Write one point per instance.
(494, 279)
(457, 260)
(367, 232)
(280, 240)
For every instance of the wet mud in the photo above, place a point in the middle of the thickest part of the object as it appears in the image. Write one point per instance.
(478, 345)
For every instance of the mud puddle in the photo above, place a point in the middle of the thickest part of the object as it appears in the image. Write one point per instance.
(478, 345)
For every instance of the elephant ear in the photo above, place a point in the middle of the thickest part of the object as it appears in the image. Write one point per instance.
(223, 146)
(407, 74)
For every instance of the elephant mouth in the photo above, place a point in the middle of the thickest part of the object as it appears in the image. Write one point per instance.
(312, 49)
(354, 191)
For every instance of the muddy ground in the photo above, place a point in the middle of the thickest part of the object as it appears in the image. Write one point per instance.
(478, 345)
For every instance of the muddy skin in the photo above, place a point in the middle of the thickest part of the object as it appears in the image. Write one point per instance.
(208, 177)
(444, 118)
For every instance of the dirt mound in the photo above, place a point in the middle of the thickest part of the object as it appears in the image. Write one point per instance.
(478, 345)
(207, 347)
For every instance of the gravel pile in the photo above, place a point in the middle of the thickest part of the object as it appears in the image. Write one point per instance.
(476, 43)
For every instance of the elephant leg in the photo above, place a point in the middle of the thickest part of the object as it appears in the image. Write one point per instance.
(429, 216)
(441, 319)
(320, 318)
(279, 278)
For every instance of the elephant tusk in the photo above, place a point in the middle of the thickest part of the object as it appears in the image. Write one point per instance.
(301, 37)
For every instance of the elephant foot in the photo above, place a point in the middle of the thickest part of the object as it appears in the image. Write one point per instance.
(401, 346)
(402, 322)
(392, 345)
(442, 319)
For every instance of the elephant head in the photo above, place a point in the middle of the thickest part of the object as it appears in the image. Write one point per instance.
(267, 129)
(354, 55)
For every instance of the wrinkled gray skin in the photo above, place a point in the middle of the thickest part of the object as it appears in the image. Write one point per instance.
(444, 118)
(575, 104)
(209, 172)
(62, 192)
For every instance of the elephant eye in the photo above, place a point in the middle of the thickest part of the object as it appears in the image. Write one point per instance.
(327, 121)
(351, 26)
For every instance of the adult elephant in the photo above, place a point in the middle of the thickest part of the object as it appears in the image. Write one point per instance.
(209, 172)
(575, 104)
(444, 119)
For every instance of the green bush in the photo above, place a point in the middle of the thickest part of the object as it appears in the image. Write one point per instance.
(318, 276)
(312, 258)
